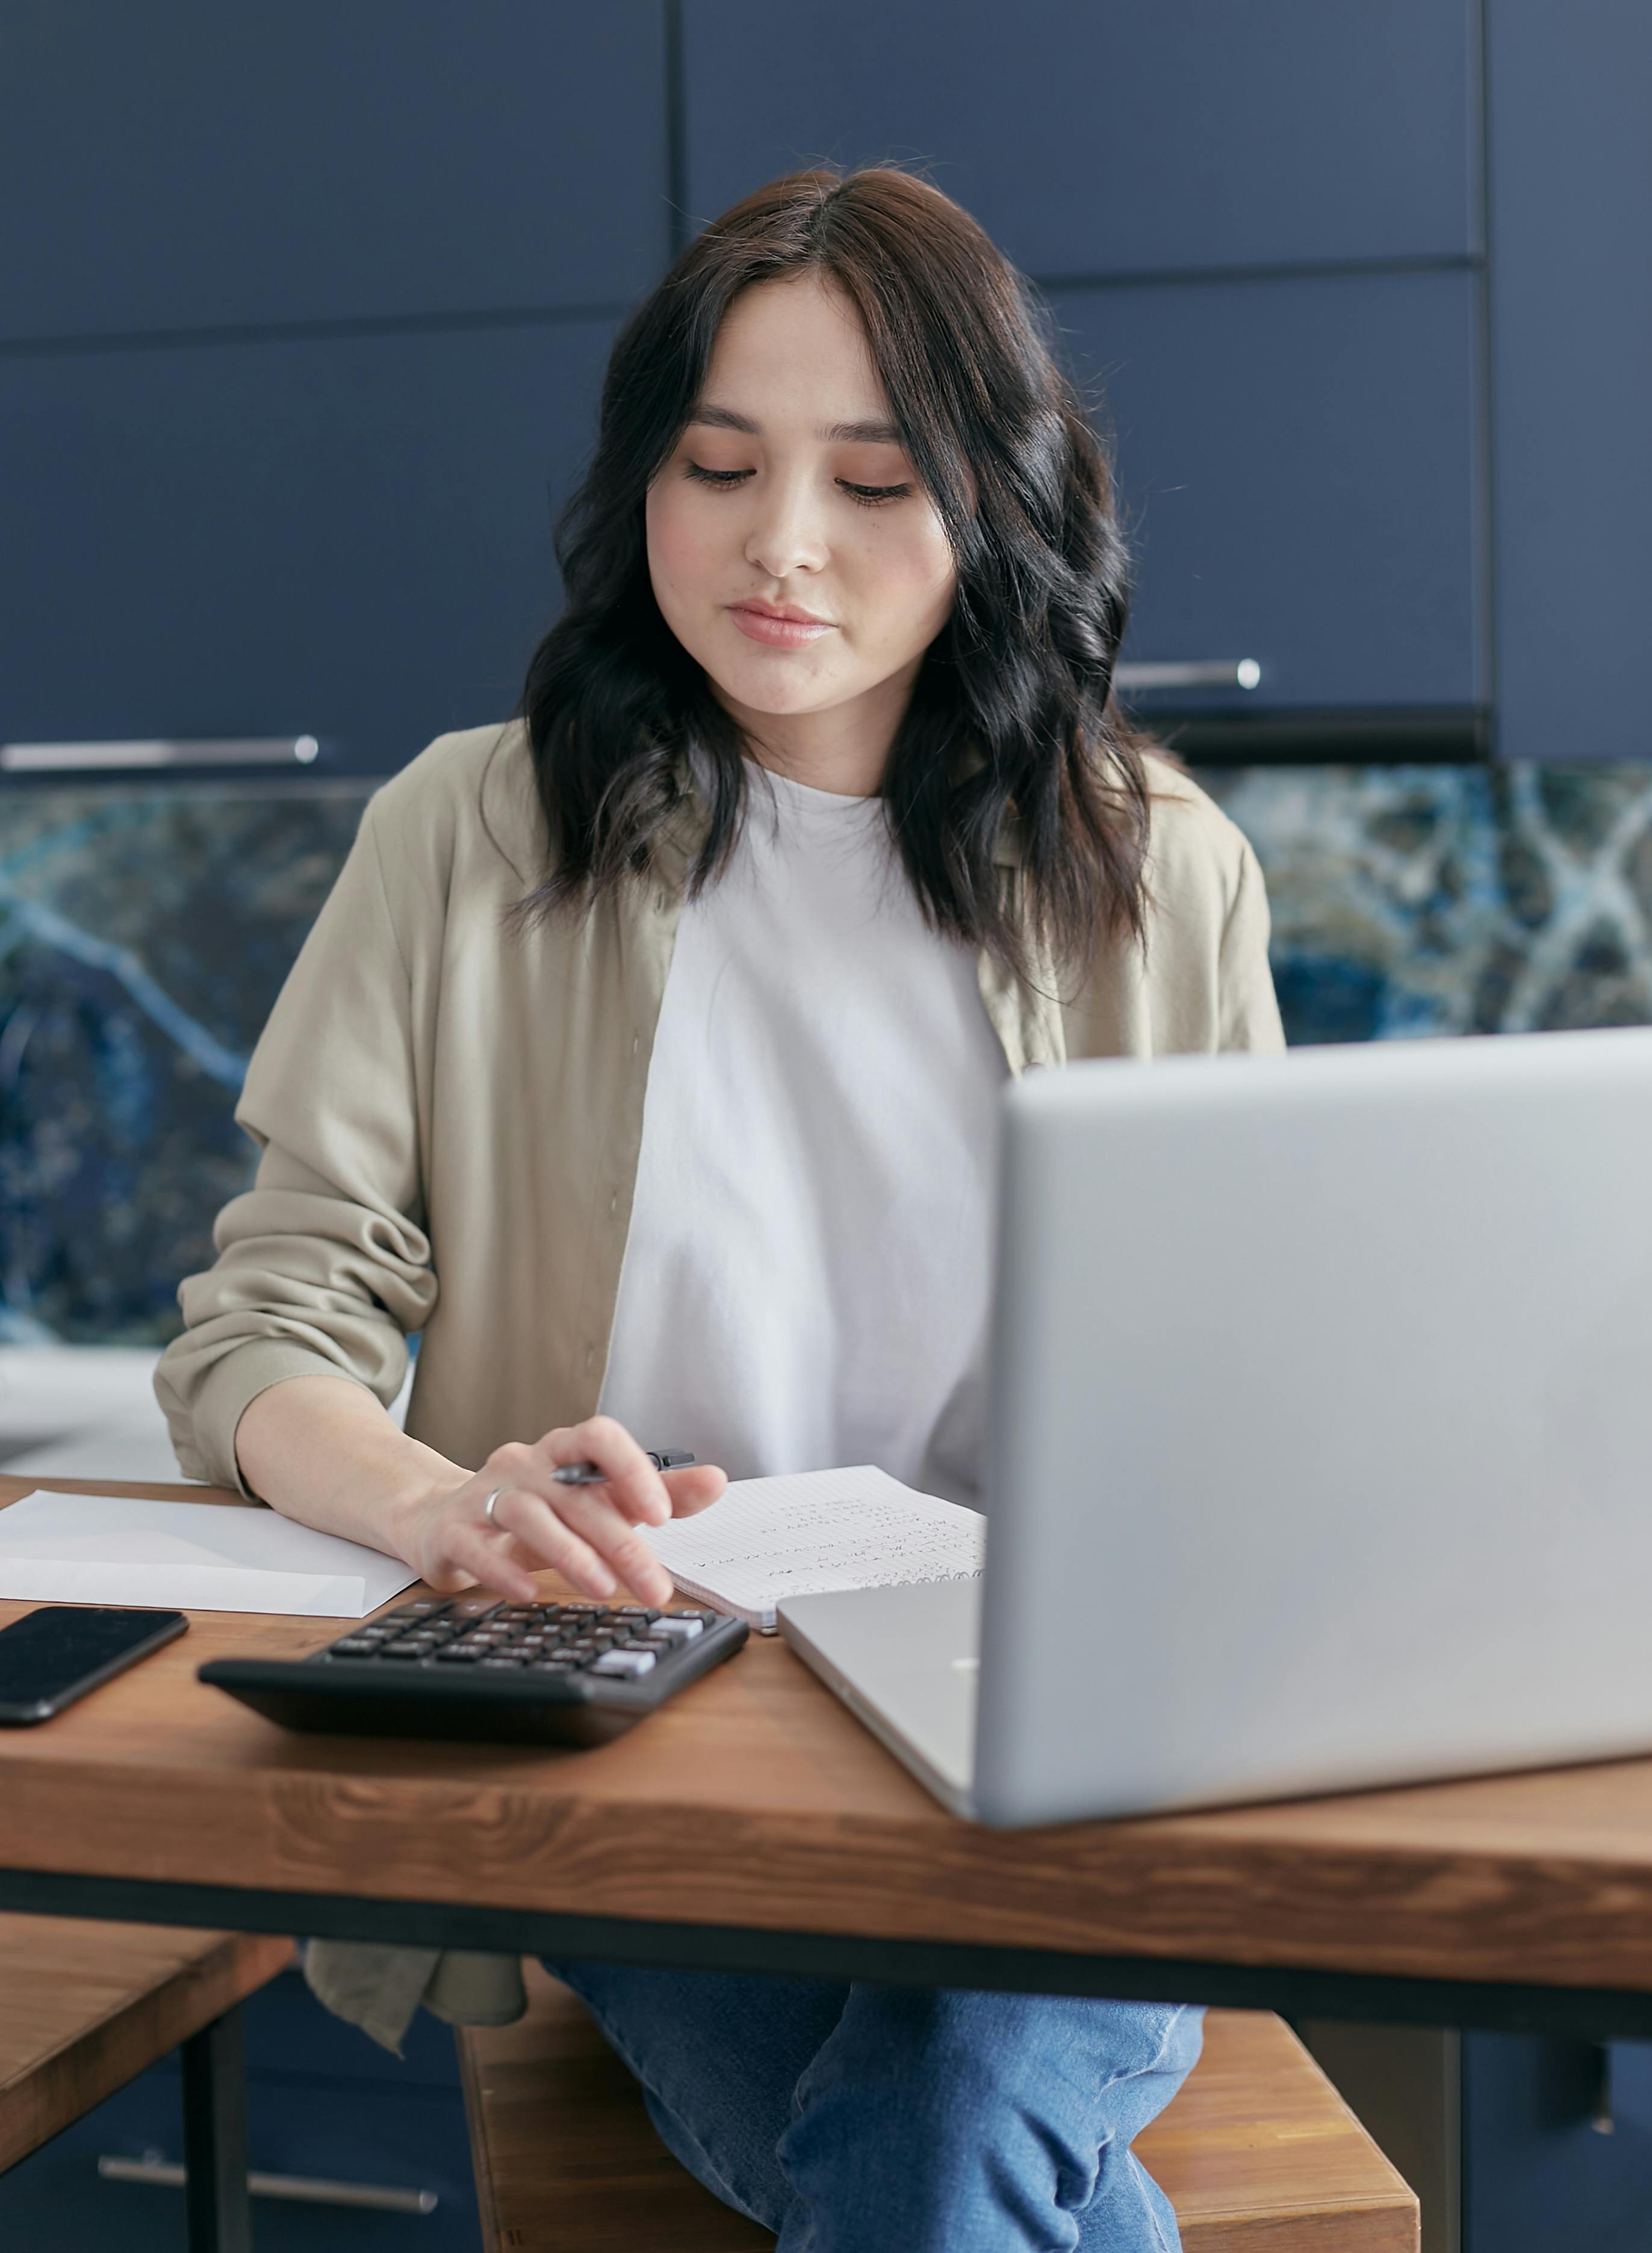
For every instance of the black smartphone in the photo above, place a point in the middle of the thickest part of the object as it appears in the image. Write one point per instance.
(49, 1657)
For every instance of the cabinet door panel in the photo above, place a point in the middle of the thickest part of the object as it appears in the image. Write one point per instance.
(1297, 459)
(188, 165)
(408, 2138)
(348, 537)
(1571, 93)
(1535, 2173)
(1100, 136)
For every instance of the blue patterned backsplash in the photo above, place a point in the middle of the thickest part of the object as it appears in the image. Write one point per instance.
(1416, 900)
(143, 934)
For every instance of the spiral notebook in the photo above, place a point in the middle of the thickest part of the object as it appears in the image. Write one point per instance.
(813, 1532)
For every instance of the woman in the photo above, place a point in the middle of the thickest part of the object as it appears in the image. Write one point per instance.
(646, 1058)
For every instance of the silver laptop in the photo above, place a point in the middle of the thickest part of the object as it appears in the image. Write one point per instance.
(1322, 1437)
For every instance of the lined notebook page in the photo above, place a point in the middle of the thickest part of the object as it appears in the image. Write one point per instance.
(815, 1531)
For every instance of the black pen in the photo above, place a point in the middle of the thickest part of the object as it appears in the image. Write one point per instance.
(671, 1459)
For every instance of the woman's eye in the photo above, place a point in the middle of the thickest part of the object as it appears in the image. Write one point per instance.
(723, 478)
(871, 495)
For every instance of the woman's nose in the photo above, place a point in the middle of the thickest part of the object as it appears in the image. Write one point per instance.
(788, 534)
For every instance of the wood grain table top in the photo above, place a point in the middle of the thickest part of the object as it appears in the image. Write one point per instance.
(88, 2007)
(755, 1800)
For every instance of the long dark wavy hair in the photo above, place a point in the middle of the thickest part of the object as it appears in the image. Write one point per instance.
(1012, 717)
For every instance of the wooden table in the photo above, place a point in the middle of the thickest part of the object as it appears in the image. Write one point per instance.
(754, 1825)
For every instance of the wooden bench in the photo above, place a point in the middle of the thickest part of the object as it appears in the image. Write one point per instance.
(86, 2007)
(1257, 2153)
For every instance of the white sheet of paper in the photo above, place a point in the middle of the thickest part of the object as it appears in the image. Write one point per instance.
(815, 1531)
(186, 1556)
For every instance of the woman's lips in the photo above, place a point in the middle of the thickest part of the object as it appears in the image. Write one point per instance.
(780, 632)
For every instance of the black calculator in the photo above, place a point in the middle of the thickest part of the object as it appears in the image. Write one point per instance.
(475, 1666)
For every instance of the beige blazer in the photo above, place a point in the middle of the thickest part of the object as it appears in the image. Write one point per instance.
(448, 1108)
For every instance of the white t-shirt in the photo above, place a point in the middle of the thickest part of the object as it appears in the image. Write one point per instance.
(807, 1271)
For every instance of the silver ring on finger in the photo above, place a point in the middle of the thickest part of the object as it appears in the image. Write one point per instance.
(487, 1507)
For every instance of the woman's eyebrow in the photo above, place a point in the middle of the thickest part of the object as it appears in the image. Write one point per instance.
(725, 418)
(837, 434)
(861, 434)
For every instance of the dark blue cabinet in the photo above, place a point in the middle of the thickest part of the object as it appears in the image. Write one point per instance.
(1570, 172)
(303, 312)
(186, 165)
(348, 536)
(1297, 458)
(1538, 2174)
(322, 2102)
(1260, 226)
(1109, 136)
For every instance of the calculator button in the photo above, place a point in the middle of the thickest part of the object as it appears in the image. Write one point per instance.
(552, 1666)
(355, 1646)
(456, 1655)
(626, 1663)
(498, 1663)
(681, 1627)
(406, 1648)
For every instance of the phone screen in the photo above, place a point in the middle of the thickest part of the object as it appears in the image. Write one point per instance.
(62, 1646)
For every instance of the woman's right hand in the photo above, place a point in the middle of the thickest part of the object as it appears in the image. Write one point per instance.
(588, 1533)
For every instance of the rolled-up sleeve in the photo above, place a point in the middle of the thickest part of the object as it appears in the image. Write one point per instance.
(324, 1266)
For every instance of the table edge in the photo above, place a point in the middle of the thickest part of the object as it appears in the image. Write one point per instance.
(1294, 1992)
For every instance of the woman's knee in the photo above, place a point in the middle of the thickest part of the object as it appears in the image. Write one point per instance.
(1006, 2112)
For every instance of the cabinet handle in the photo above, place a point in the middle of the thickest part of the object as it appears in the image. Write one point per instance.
(304, 2190)
(1199, 672)
(91, 758)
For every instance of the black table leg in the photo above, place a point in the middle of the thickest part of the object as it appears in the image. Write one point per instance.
(215, 2138)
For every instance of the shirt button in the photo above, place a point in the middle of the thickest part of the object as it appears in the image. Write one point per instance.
(613, 1203)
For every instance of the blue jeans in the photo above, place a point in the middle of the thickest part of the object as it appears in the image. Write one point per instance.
(853, 2119)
